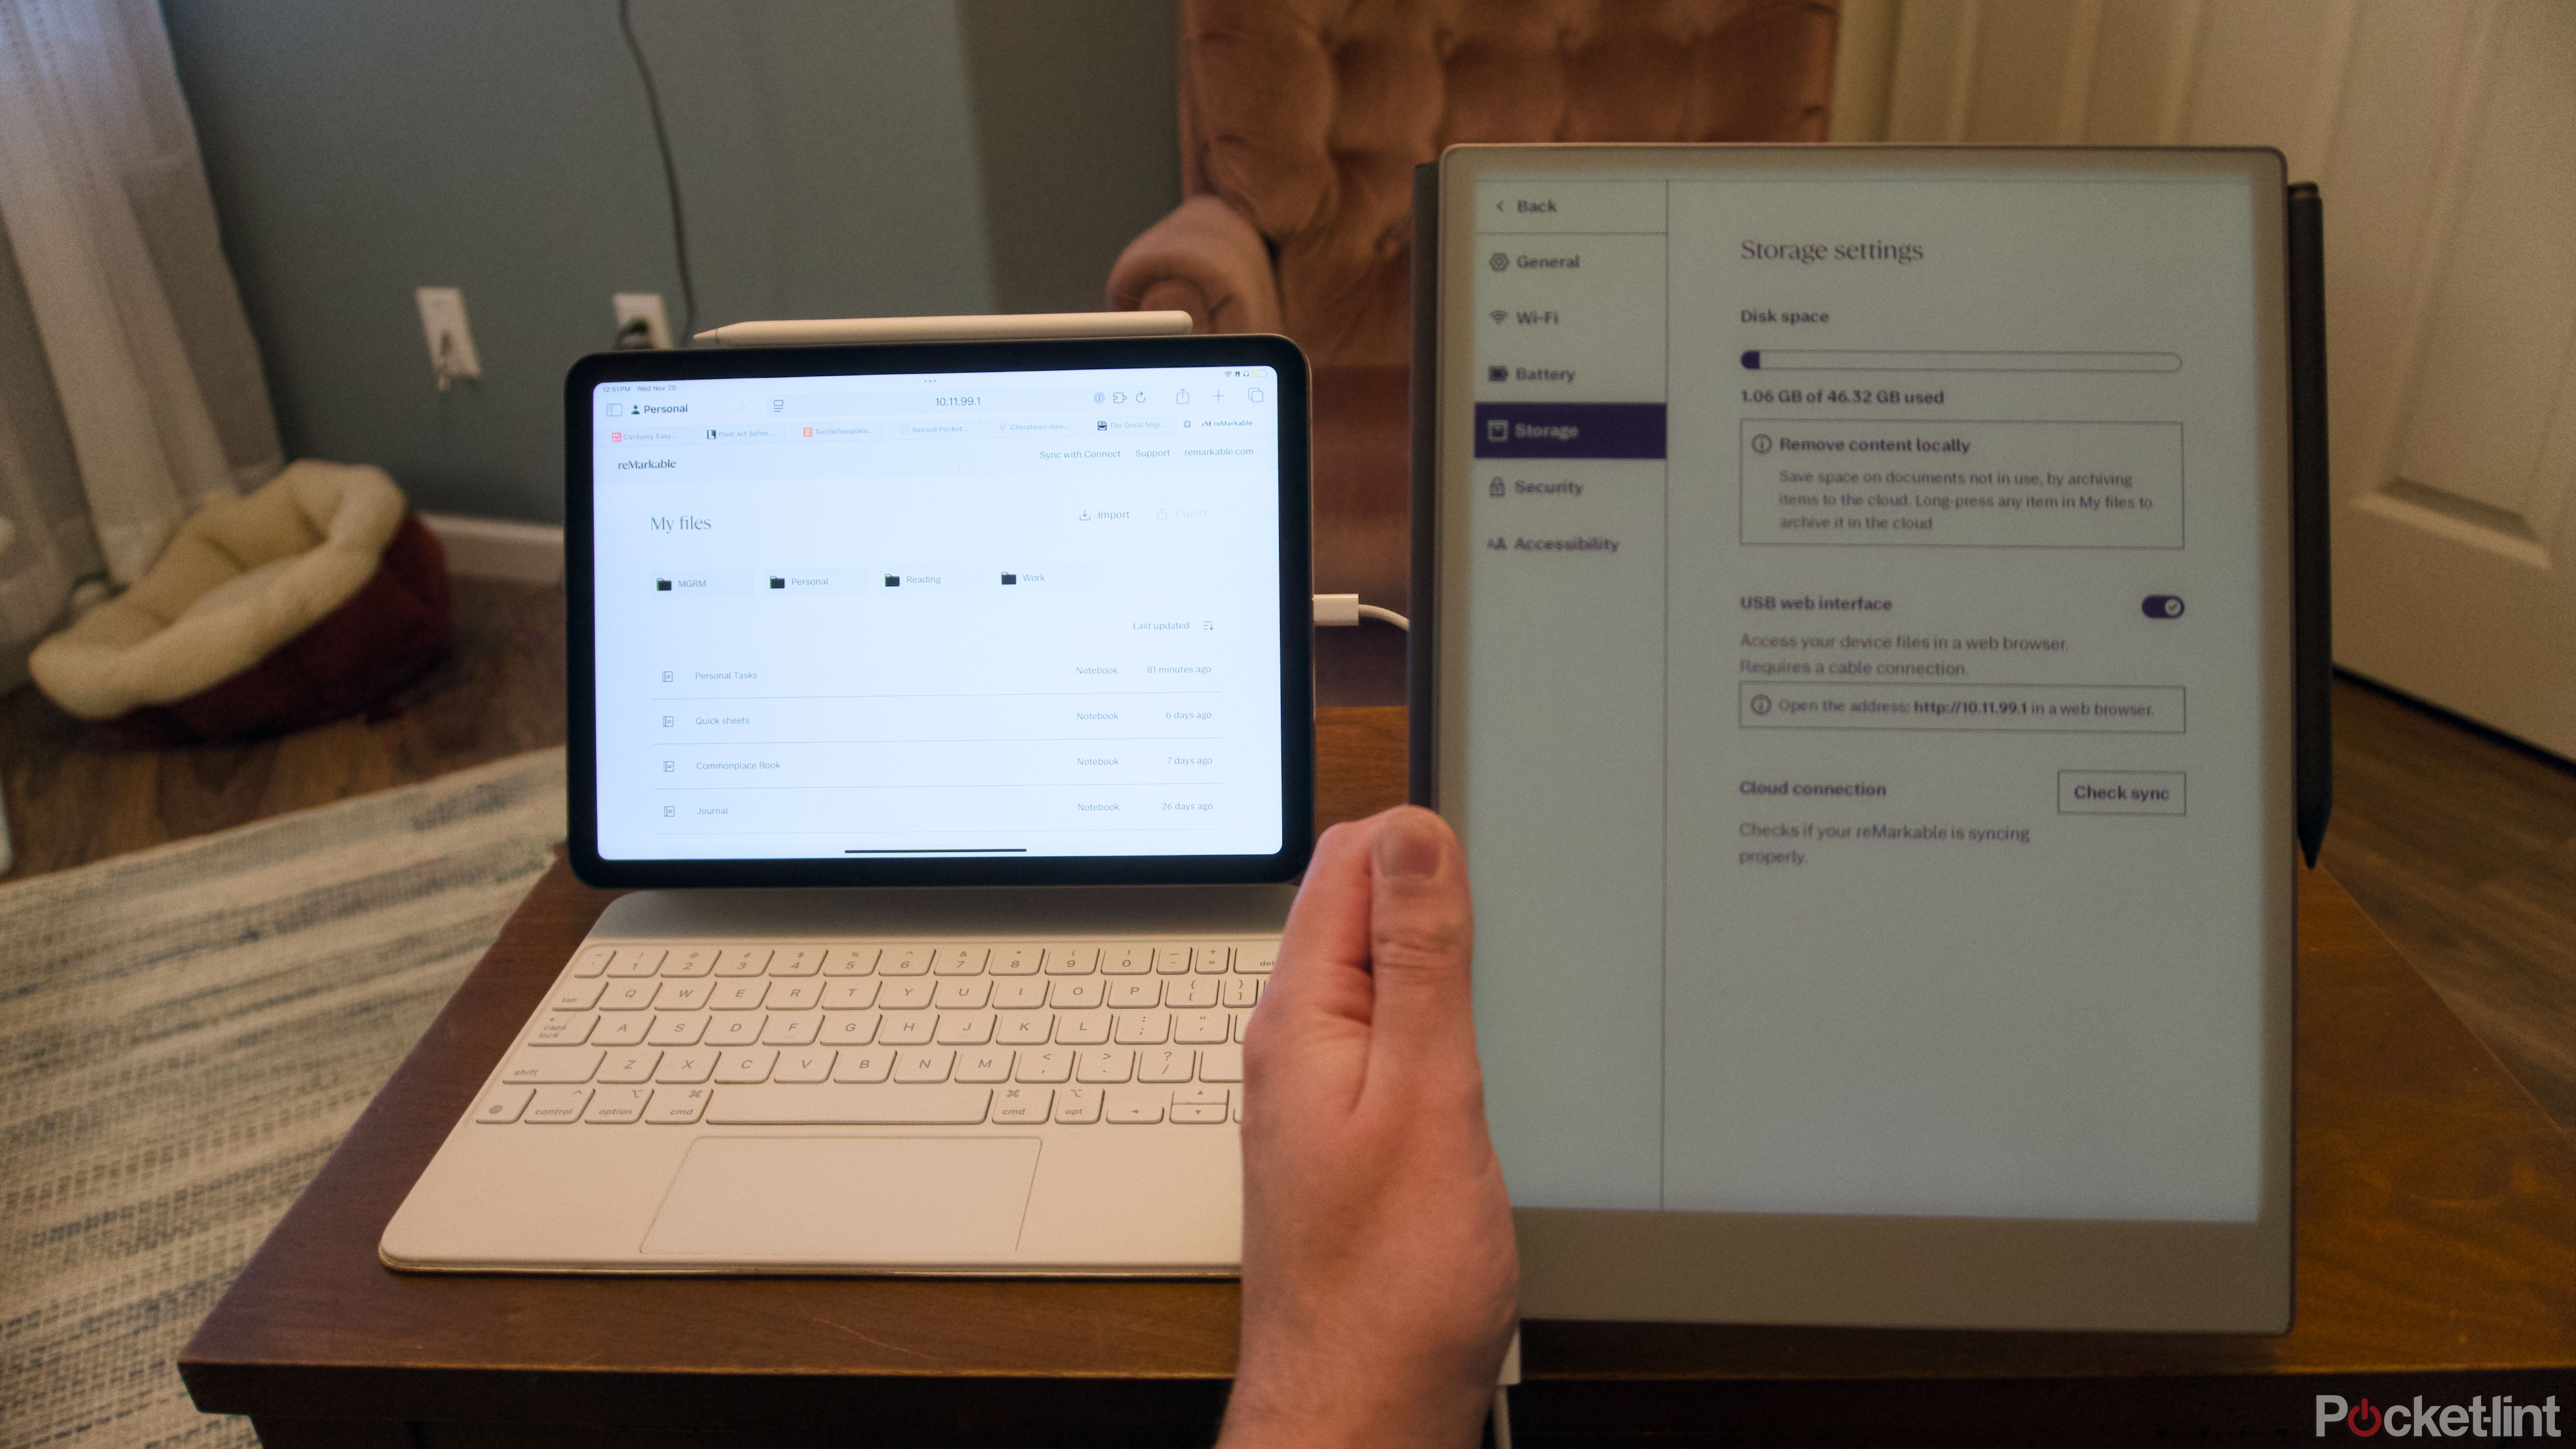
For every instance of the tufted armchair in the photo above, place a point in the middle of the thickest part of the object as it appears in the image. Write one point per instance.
(1302, 121)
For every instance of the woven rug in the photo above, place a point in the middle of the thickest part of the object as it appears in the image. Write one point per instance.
(185, 1033)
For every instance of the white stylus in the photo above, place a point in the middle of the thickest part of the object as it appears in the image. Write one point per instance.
(1001, 327)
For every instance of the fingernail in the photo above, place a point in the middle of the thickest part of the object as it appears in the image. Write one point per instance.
(1409, 845)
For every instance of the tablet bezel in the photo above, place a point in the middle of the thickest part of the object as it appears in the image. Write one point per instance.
(1297, 680)
(1997, 1273)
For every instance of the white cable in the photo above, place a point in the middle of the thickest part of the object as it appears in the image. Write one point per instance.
(1342, 611)
(1502, 1417)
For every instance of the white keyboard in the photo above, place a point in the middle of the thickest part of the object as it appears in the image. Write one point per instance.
(888, 1034)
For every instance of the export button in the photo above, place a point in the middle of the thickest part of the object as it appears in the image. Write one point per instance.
(2120, 792)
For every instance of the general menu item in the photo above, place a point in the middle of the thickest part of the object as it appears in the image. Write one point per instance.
(1861, 675)
(996, 613)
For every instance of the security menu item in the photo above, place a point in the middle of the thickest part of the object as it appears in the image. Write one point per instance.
(1860, 617)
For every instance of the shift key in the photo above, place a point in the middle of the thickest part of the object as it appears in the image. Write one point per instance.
(848, 1104)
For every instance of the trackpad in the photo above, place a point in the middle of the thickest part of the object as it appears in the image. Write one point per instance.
(855, 1200)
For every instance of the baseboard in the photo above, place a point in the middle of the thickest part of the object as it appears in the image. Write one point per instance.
(499, 548)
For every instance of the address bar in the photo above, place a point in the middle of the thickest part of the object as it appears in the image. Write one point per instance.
(1771, 359)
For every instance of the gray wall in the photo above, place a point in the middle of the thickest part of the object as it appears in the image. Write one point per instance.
(834, 159)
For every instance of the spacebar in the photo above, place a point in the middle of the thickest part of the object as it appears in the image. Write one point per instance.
(839, 1105)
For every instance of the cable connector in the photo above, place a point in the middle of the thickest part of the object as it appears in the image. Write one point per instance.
(1344, 611)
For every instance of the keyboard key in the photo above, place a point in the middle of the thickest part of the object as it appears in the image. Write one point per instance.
(563, 1028)
(621, 1028)
(618, 1104)
(1196, 1027)
(1019, 995)
(685, 1066)
(794, 995)
(1166, 1064)
(1022, 1028)
(1082, 1028)
(963, 995)
(1052, 1064)
(921, 1064)
(904, 995)
(741, 1066)
(552, 1064)
(1244, 991)
(1126, 960)
(504, 1104)
(850, 961)
(593, 961)
(1135, 1105)
(849, 995)
(1078, 1104)
(629, 1066)
(741, 961)
(905, 1028)
(1242, 1019)
(1221, 1064)
(1023, 1104)
(1210, 960)
(1190, 1112)
(678, 1028)
(681, 996)
(557, 1105)
(1198, 1096)
(982, 1065)
(690, 961)
(791, 1028)
(1171, 960)
(576, 996)
(677, 1107)
(1258, 960)
(965, 1028)
(1141, 991)
(796, 960)
(1078, 995)
(803, 1066)
(734, 1028)
(847, 1028)
(627, 996)
(903, 961)
(636, 961)
(1072, 960)
(1191, 993)
(738, 995)
(863, 1065)
(959, 960)
(1114, 1065)
(1015, 960)
(837, 1105)
(1141, 1028)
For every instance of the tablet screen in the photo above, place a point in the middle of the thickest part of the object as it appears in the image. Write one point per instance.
(941, 617)
(1857, 595)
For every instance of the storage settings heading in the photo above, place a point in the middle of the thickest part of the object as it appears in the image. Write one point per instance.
(1007, 614)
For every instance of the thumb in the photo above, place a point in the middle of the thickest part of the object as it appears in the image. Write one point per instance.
(1421, 937)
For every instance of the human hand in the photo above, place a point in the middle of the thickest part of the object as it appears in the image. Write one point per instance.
(1380, 1280)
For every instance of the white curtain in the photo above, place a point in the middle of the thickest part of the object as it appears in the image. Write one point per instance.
(130, 387)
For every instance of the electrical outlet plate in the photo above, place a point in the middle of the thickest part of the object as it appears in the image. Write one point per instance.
(645, 307)
(451, 342)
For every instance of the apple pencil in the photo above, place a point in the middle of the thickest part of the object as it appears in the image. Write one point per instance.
(996, 328)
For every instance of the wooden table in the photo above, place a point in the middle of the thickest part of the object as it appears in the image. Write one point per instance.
(2437, 1256)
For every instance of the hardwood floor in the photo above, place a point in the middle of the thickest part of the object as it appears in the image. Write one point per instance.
(72, 800)
(2462, 845)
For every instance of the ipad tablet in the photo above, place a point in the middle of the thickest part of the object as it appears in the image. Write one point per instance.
(980, 614)
(1858, 660)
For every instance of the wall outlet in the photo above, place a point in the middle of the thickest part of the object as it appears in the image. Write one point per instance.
(451, 342)
(646, 308)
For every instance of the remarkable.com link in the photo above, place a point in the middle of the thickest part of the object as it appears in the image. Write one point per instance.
(2484, 1418)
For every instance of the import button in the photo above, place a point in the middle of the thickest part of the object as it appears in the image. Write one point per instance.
(2120, 792)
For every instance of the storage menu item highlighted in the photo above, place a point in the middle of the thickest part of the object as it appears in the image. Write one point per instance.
(1813, 707)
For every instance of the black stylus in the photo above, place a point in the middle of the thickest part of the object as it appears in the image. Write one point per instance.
(2310, 507)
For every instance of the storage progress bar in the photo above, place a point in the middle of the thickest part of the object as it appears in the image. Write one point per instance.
(1775, 359)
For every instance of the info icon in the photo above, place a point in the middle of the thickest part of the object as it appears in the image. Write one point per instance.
(1761, 704)
(1762, 442)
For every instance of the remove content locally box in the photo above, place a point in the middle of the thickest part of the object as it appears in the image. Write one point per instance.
(1884, 483)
